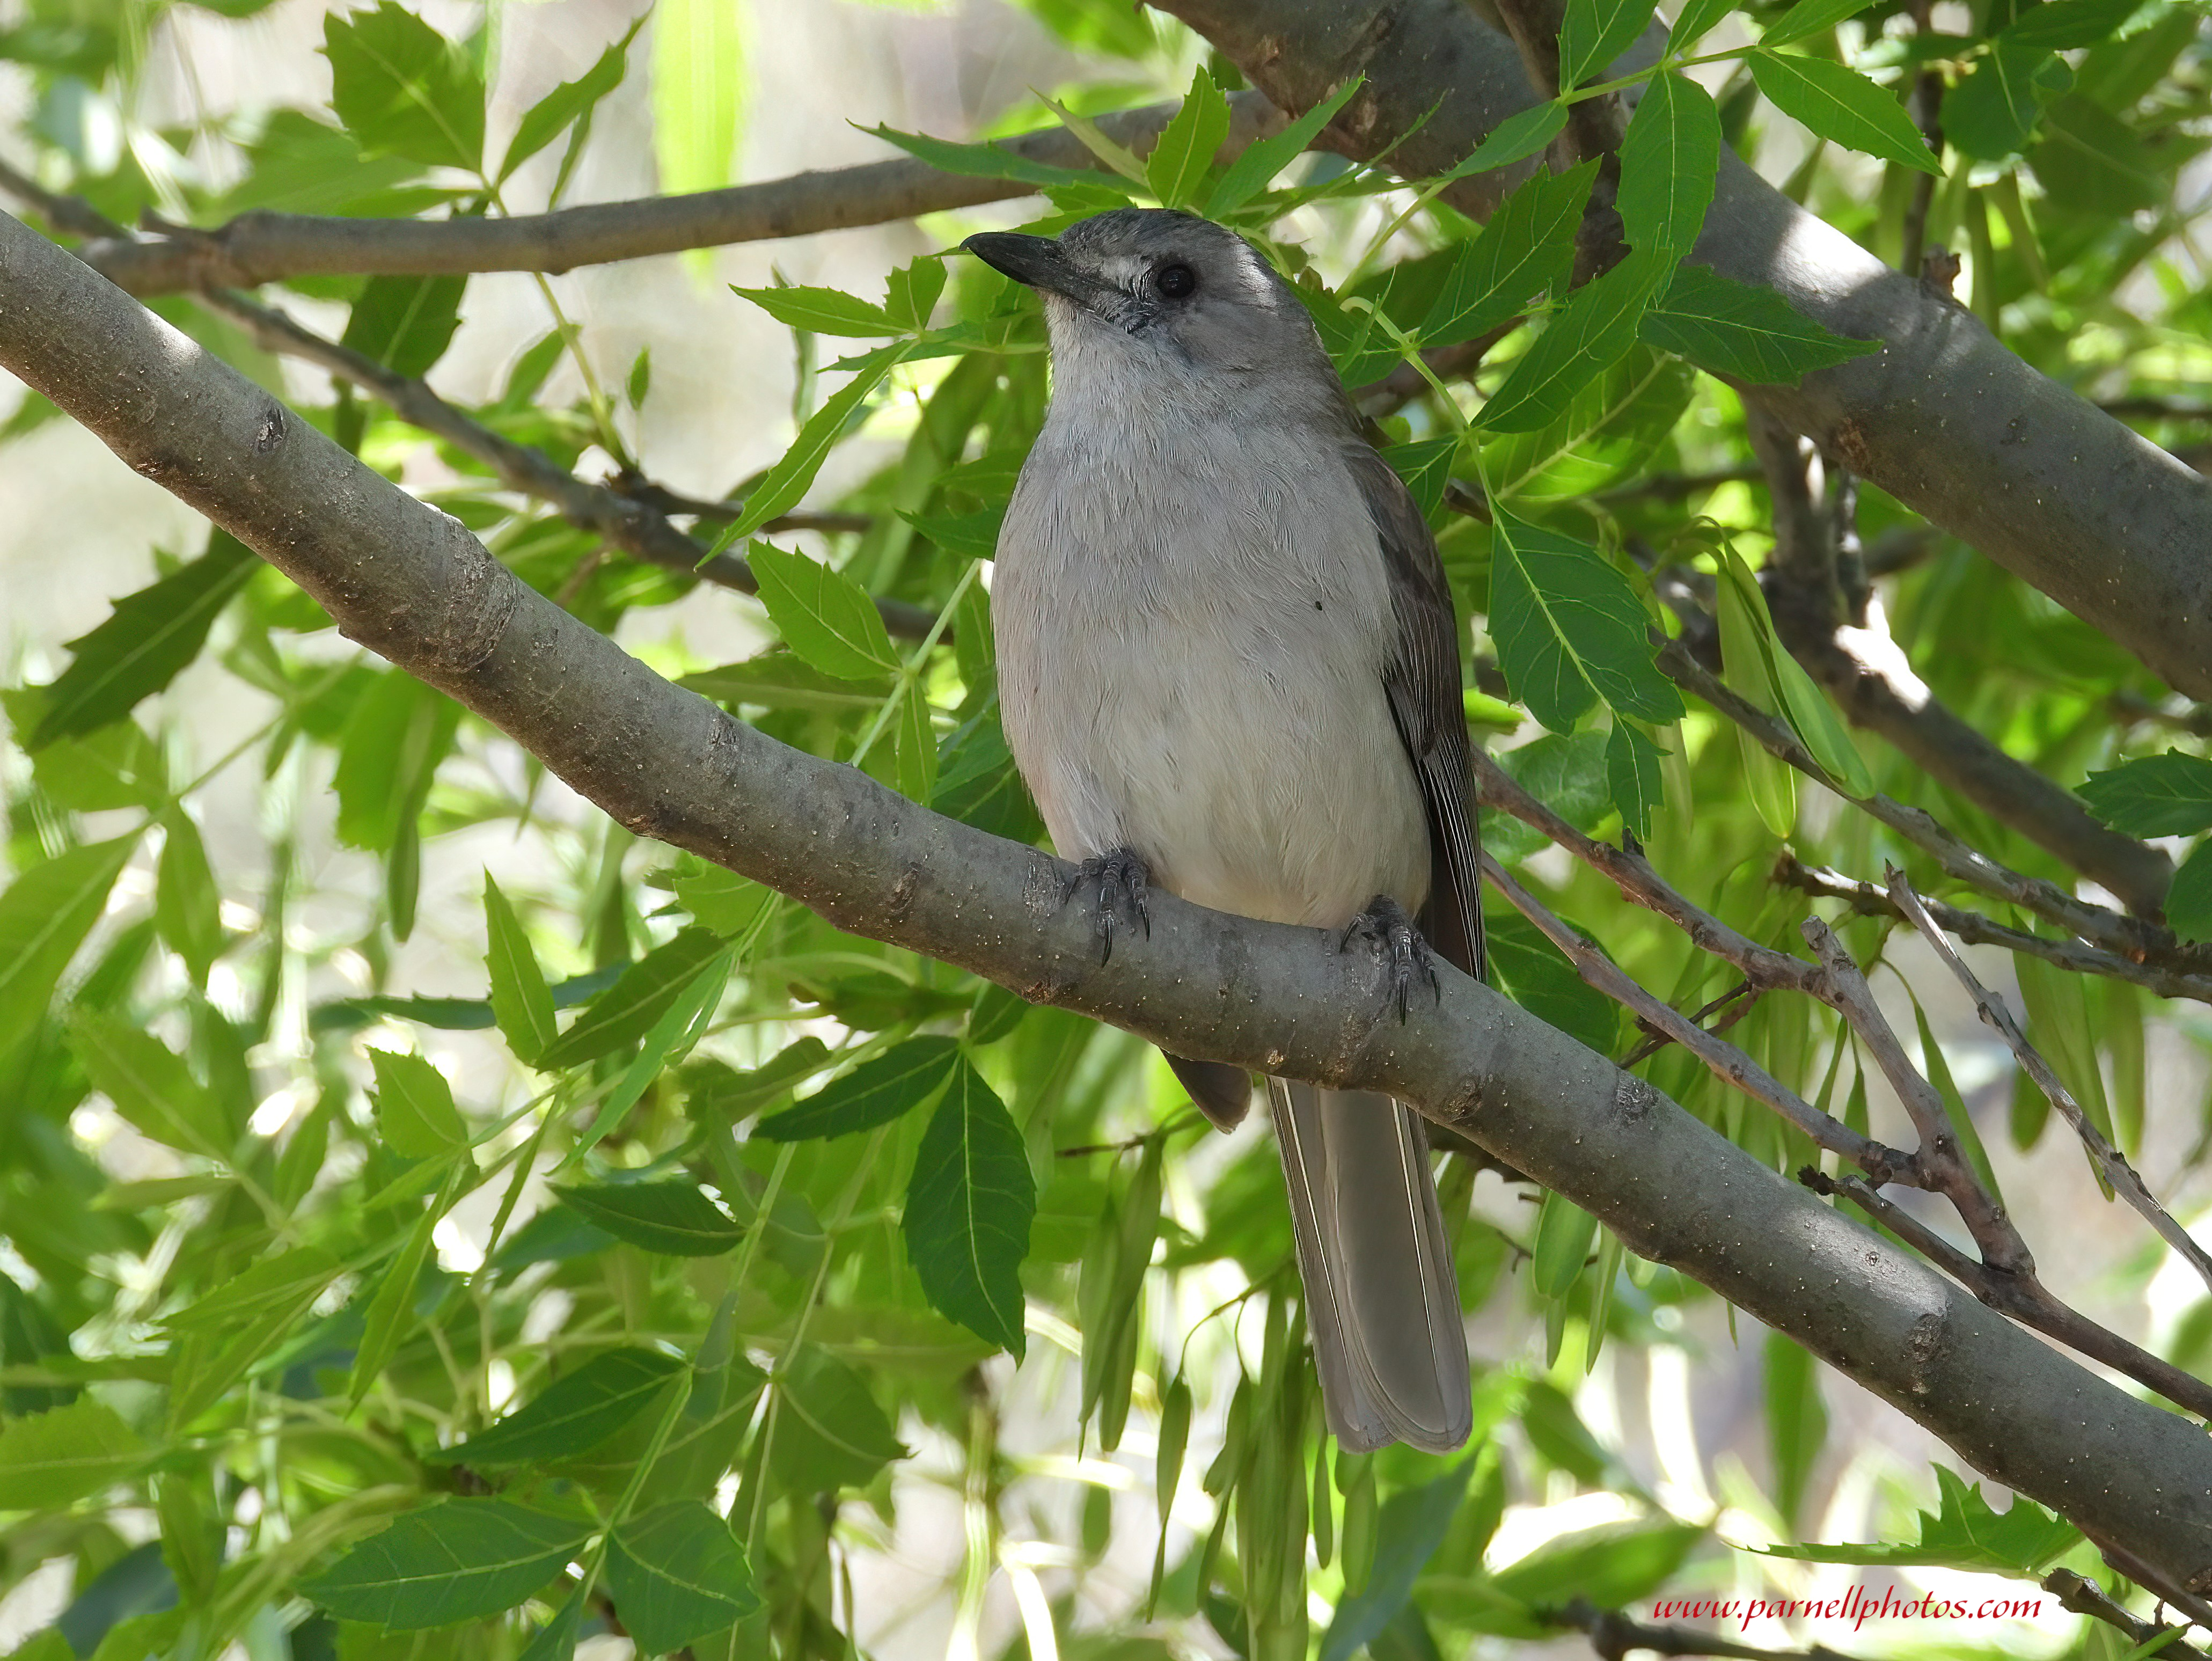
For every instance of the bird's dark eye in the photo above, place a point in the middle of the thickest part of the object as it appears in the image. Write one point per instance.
(1175, 280)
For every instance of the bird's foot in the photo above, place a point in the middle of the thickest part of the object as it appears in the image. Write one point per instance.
(1405, 957)
(1120, 879)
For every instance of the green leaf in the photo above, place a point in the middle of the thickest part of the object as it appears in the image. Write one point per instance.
(414, 1110)
(1696, 19)
(2167, 795)
(1737, 328)
(1796, 1423)
(405, 323)
(674, 1218)
(1842, 107)
(1608, 433)
(1564, 771)
(402, 89)
(399, 731)
(1632, 773)
(824, 615)
(894, 1084)
(1565, 1234)
(781, 680)
(1425, 465)
(978, 784)
(48, 1460)
(1669, 159)
(1516, 138)
(993, 161)
(149, 1084)
(829, 1434)
(1184, 154)
(1759, 667)
(2065, 25)
(187, 904)
(677, 1573)
(915, 738)
(1964, 1533)
(44, 917)
(1594, 330)
(629, 1009)
(680, 1026)
(235, 1328)
(556, 1639)
(1526, 249)
(1619, 1566)
(570, 101)
(714, 1090)
(722, 900)
(822, 311)
(571, 1414)
(968, 1211)
(1993, 112)
(521, 1000)
(2188, 901)
(780, 488)
(1569, 628)
(976, 535)
(384, 1321)
(1595, 31)
(1411, 1526)
(1809, 18)
(698, 92)
(453, 1560)
(1536, 974)
(1252, 172)
(910, 293)
(145, 641)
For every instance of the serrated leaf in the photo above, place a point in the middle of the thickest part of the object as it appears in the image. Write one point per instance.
(713, 1089)
(405, 323)
(1569, 628)
(781, 680)
(50, 1459)
(1633, 774)
(1180, 160)
(969, 1206)
(780, 488)
(573, 1414)
(822, 311)
(1964, 1532)
(1593, 33)
(149, 1084)
(1669, 159)
(1993, 112)
(914, 736)
(414, 1110)
(1696, 19)
(2189, 900)
(570, 101)
(1809, 18)
(287, 1283)
(385, 1321)
(1760, 668)
(453, 1560)
(1425, 464)
(1527, 247)
(236, 1328)
(910, 294)
(674, 1218)
(677, 1573)
(679, 1026)
(44, 917)
(1251, 172)
(1536, 974)
(1516, 138)
(991, 160)
(629, 1009)
(978, 783)
(976, 535)
(1607, 433)
(829, 1434)
(1736, 329)
(1842, 107)
(824, 615)
(144, 641)
(521, 1002)
(875, 1092)
(402, 89)
(2167, 795)
(1594, 330)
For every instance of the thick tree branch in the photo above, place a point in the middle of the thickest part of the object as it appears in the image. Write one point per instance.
(411, 584)
(267, 248)
(1945, 419)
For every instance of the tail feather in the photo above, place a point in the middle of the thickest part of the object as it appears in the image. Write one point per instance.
(1382, 1302)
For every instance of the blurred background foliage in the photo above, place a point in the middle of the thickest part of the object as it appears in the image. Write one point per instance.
(649, 1321)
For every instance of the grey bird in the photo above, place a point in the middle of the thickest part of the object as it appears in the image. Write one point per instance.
(1228, 665)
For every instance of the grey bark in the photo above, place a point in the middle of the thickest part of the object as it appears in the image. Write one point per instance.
(411, 584)
(1946, 419)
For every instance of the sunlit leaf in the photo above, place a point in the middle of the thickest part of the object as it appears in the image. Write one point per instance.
(576, 1412)
(450, 1560)
(674, 1218)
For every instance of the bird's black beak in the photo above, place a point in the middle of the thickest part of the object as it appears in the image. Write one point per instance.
(1036, 261)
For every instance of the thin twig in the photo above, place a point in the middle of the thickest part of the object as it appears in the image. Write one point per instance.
(636, 527)
(1743, 996)
(2117, 1172)
(1727, 1063)
(1869, 900)
(2082, 1595)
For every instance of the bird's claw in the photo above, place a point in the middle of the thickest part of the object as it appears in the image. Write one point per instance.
(1405, 956)
(1121, 879)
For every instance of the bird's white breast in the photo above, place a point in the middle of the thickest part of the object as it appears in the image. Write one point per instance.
(1192, 629)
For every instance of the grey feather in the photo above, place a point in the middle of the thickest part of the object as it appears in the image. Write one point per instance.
(1225, 645)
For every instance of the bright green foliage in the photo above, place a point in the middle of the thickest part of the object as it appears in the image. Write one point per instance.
(650, 1246)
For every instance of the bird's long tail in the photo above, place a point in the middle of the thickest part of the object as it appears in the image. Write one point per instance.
(1382, 1300)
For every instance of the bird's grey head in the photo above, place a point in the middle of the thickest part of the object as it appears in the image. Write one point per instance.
(1160, 292)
